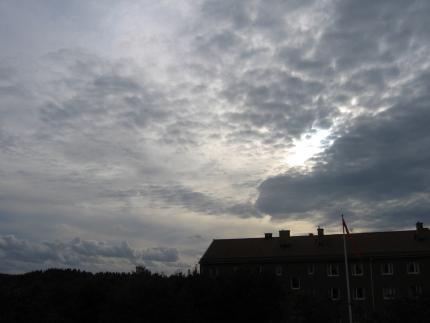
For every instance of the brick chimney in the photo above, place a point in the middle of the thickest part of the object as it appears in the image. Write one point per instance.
(284, 238)
(284, 234)
(268, 236)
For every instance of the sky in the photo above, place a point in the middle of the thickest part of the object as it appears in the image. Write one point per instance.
(136, 132)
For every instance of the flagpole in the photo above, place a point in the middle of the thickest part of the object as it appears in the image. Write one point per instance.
(346, 272)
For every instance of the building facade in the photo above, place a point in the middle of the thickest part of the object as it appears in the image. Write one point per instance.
(383, 266)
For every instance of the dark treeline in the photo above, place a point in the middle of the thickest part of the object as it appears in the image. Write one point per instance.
(75, 296)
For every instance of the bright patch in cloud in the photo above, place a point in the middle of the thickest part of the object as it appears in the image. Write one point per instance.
(307, 147)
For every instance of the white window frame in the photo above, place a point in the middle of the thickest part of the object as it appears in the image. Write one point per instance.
(390, 269)
(291, 283)
(388, 293)
(311, 269)
(331, 293)
(279, 270)
(330, 268)
(356, 296)
(416, 268)
(354, 269)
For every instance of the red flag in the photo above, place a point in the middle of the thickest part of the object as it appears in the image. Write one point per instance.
(345, 227)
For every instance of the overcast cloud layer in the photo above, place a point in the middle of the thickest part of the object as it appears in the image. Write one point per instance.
(135, 132)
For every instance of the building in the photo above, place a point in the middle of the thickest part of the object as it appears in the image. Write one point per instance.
(382, 265)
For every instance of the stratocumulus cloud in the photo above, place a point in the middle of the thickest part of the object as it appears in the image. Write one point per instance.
(154, 122)
(78, 253)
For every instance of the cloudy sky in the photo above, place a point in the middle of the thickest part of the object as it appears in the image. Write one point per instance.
(135, 132)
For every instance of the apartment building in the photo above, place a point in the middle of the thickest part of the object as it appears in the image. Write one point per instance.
(383, 266)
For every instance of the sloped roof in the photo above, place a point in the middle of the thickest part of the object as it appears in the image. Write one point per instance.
(312, 247)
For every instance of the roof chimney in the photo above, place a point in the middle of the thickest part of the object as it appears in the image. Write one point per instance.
(284, 233)
(320, 236)
(284, 237)
(268, 236)
(421, 232)
(420, 226)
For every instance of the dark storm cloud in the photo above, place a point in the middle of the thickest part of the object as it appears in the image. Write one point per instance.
(380, 160)
(77, 252)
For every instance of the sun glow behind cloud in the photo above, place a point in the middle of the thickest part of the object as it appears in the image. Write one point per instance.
(306, 147)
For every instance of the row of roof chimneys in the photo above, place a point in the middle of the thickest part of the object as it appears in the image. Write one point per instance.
(285, 234)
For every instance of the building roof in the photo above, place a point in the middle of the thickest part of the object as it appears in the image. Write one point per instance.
(314, 247)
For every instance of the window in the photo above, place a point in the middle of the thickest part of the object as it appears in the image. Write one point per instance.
(311, 269)
(388, 293)
(415, 291)
(413, 267)
(357, 270)
(334, 294)
(358, 293)
(213, 272)
(235, 269)
(295, 283)
(387, 268)
(278, 270)
(260, 269)
(333, 270)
